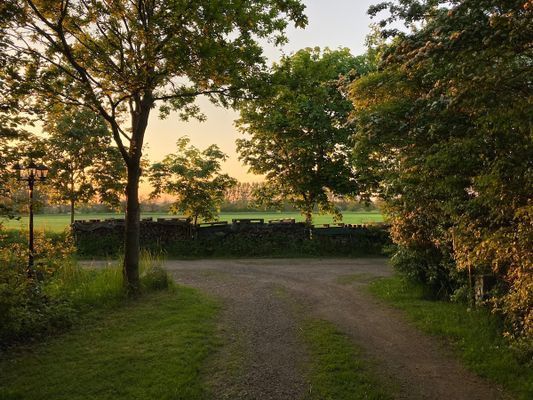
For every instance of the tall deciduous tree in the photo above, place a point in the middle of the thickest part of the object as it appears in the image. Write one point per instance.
(83, 163)
(194, 177)
(123, 58)
(297, 122)
(444, 134)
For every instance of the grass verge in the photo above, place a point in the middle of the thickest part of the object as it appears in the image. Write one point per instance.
(88, 288)
(474, 334)
(337, 370)
(149, 349)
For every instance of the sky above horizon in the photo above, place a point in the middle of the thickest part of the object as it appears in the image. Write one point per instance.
(332, 23)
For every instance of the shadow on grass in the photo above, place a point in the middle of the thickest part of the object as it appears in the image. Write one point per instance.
(152, 348)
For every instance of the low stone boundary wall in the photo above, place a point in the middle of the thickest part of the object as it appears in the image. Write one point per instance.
(161, 230)
(177, 236)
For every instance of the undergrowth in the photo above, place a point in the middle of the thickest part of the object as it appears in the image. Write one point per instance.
(58, 291)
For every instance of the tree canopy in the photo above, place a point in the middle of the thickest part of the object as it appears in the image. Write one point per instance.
(297, 127)
(444, 135)
(83, 163)
(194, 178)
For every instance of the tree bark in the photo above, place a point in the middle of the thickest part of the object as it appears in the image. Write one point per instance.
(308, 217)
(132, 230)
(72, 197)
(308, 208)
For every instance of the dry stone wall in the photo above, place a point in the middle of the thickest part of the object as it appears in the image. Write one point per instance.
(241, 237)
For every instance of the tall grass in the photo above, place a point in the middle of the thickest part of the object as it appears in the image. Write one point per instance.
(104, 287)
(33, 308)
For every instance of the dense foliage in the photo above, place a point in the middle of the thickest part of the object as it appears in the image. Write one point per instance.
(83, 164)
(60, 291)
(25, 309)
(299, 138)
(444, 135)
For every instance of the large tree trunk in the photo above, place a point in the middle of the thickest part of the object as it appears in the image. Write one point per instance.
(132, 231)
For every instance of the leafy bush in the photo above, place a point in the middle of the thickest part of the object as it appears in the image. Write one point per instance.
(61, 291)
(431, 267)
(26, 309)
(443, 134)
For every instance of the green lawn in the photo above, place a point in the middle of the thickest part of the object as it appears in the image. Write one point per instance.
(154, 348)
(475, 334)
(58, 222)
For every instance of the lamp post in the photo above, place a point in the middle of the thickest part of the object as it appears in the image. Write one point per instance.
(31, 173)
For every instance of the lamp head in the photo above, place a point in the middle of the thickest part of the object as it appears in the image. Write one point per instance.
(41, 172)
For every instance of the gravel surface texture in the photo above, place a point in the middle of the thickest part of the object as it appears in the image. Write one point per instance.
(263, 357)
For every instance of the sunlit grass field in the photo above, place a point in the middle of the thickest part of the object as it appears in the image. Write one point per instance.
(58, 222)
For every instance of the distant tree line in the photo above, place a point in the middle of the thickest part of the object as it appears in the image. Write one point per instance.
(239, 198)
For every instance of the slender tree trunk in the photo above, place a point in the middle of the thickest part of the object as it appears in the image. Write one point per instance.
(71, 211)
(308, 217)
(72, 198)
(309, 222)
(308, 209)
(132, 231)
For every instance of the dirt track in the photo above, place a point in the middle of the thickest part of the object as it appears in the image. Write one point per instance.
(263, 359)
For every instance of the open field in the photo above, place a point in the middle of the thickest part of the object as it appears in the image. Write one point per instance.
(58, 222)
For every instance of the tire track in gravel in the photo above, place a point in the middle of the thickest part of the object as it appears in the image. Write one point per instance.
(262, 357)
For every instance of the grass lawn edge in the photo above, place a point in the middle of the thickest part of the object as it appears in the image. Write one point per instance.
(474, 335)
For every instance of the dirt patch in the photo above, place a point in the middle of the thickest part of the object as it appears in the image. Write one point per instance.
(261, 357)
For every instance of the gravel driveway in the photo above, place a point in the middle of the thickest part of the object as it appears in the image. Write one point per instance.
(262, 357)
(260, 328)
